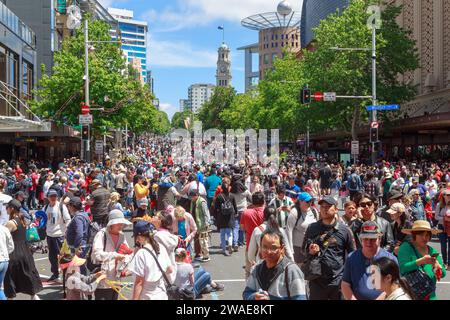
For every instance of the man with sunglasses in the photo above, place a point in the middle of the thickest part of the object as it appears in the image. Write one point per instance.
(366, 207)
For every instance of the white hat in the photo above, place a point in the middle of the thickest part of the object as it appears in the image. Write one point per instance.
(116, 217)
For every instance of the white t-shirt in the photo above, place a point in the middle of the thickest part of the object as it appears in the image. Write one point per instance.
(4, 199)
(144, 265)
(57, 221)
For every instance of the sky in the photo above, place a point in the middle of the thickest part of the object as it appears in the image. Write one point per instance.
(184, 39)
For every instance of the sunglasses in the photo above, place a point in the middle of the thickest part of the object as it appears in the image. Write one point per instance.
(365, 204)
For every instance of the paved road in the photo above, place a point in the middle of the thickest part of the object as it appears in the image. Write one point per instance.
(226, 270)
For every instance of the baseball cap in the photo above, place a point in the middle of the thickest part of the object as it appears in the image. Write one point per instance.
(14, 204)
(396, 208)
(52, 192)
(142, 227)
(304, 196)
(394, 194)
(370, 230)
(329, 200)
(76, 202)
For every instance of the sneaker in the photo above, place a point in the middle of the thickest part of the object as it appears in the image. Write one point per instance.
(198, 258)
(226, 253)
(208, 289)
(54, 277)
(230, 249)
(206, 259)
(236, 248)
(218, 287)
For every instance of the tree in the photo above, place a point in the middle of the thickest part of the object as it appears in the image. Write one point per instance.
(349, 72)
(178, 119)
(124, 99)
(211, 110)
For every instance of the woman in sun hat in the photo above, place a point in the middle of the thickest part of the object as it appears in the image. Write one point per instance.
(106, 244)
(417, 254)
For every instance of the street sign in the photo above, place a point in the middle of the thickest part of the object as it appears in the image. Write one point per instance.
(383, 107)
(85, 109)
(329, 96)
(318, 96)
(99, 147)
(355, 147)
(85, 119)
(374, 125)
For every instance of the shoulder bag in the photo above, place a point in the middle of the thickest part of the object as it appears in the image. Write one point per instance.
(421, 284)
(171, 289)
(312, 267)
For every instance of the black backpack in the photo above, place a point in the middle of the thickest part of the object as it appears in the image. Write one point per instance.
(226, 207)
(93, 229)
(353, 185)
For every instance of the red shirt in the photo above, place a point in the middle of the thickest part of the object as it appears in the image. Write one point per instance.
(34, 180)
(251, 218)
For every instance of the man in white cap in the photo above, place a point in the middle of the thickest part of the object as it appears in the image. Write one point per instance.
(105, 252)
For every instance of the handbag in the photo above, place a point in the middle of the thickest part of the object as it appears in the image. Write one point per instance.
(421, 284)
(312, 267)
(32, 235)
(171, 289)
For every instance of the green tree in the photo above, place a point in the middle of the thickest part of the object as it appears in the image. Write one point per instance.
(210, 112)
(124, 99)
(349, 72)
(178, 119)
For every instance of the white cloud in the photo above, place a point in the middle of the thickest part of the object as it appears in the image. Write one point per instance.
(169, 109)
(179, 54)
(192, 13)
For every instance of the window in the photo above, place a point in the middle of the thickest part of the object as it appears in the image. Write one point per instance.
(276, 44)
(274, 56)
(27, 80)
(266, 59)
(276, 37)
(282, 36)
(282, 44)
(293, 37)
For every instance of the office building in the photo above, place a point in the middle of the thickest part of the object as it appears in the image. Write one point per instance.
(184, 105)
(134, 37)
(198, 94)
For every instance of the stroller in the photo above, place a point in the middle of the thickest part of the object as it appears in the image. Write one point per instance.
(40, 222)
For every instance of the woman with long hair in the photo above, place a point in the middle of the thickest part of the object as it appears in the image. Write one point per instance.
(22, 275)
(442, 215)
(386, 277)
(225, 211)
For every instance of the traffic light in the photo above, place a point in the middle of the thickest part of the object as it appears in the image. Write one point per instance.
(85, 133)
(374, 135)
(305, 96)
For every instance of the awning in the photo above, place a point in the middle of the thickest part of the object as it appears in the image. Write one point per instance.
(21, 124)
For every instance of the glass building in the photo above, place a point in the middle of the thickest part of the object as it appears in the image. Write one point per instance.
(134, 37)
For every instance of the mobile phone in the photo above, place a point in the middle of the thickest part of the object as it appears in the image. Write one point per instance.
(435, 255)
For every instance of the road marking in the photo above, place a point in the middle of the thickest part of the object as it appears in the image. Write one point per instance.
(443, 282)
(40, 259)
(230, 280)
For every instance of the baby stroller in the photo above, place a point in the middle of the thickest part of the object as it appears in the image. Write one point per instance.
(40, 222)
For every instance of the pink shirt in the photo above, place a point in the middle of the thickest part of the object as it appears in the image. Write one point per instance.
(251, 218)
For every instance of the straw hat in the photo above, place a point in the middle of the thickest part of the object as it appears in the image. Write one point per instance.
(421, 225)
(71, 261)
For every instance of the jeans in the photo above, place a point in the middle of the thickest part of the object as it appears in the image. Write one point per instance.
(236, 232)
(54, 247)
(31, 202)
(225, 238)
(445, 245)
(3, 269)
(201, 280)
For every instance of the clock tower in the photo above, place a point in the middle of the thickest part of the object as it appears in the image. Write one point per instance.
(223, 73)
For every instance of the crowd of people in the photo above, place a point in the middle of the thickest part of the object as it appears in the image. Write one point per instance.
(315, 229)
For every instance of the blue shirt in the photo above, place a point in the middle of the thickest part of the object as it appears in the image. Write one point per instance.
(292, 191)
(357, 274)
(182, 229)
(211, 184)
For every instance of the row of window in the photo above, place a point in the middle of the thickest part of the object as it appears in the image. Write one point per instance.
(275, 45)
(132, 36)
(131, 28)
(223, 83)
(133, 48)
(265, 58)
(283, 37)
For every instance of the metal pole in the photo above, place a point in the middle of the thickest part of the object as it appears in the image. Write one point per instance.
(86, 93)
(374, 86)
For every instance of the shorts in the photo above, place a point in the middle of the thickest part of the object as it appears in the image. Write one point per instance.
(129, 201)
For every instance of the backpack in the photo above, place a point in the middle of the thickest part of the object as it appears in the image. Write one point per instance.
(28, 182)
(353, 185)
(226, 207)
(93, 229)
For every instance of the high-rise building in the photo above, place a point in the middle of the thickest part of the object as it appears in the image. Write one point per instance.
(47, 18)
(279, 32)
(151, 81)
(198, 94)
(184, 105)
(223, 73)
(134, 38)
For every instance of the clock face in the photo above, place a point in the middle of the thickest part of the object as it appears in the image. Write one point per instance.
(223, 69)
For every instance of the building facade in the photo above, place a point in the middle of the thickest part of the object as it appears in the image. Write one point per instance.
(313, 12)
(184, 105)
(198, 94)
(223, 73)
(251, 75)
(134, 38)
(47, 18)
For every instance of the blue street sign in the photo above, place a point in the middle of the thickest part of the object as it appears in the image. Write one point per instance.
(383, 107)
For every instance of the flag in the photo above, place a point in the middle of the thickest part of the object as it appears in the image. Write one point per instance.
(220, 27)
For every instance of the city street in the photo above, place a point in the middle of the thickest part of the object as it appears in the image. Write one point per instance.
(226, 270)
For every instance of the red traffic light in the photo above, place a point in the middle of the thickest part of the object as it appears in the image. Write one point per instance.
(85, 109)
(318, 96)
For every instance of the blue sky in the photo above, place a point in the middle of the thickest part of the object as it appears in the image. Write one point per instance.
(183, 40)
